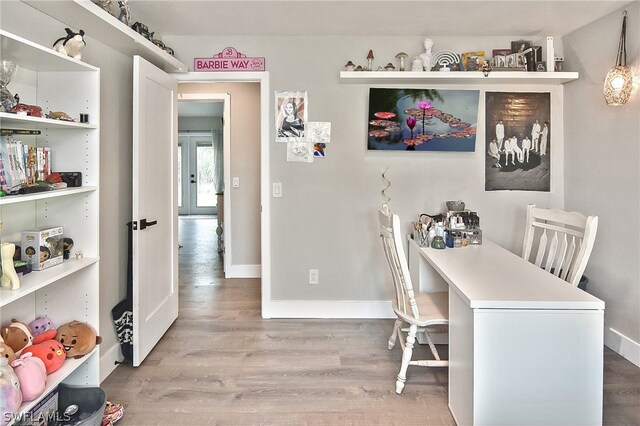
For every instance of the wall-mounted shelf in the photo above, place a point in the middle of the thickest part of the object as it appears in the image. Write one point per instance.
(106, 28)
(457, 77)
(22, 198)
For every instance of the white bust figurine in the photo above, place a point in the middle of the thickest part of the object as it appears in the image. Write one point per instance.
(426, 56)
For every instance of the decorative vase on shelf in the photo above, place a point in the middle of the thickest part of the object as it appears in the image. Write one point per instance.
(7, 72)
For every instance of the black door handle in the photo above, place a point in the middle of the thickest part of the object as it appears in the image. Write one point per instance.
(193, 181)
(145, 224)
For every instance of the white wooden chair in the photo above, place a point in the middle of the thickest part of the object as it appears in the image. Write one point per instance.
(418, 311)
(562, 241)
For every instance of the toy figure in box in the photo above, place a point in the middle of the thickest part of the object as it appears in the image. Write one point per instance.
(17, 335)
(42, 330)
(10, 394)
(51, 352)
(78, 338)
(46, 241)
(6, 352)
(32, 375)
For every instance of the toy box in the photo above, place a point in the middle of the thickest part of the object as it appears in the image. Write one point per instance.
(43, 247)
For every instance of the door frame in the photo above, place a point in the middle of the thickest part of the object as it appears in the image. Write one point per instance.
(191, 154)
(265, 175)
(226, 149)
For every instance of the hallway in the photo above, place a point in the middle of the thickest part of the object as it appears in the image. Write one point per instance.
(221, 363)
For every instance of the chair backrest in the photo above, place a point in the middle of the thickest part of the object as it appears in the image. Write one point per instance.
(562, 240)
(391, 236)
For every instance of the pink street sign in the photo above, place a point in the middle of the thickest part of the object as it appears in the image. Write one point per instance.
(228, 60)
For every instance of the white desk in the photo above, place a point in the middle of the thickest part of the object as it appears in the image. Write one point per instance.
(525, 347)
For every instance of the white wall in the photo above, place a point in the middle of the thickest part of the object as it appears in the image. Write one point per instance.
(602, 148)
(326, 218)
(115, 156)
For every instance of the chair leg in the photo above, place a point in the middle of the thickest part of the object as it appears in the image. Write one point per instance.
(394, 335)
(406, 358)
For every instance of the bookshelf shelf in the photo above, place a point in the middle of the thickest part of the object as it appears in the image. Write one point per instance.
(10, 120)
(69, 291)
(457, 77)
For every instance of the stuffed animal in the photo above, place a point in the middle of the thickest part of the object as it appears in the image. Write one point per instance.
(32, 375)
(42, 329)
(51, 352)
(7, 352)
(10, 394)
(17, 335)
(9, 277)
(71, 45)
(78, 338)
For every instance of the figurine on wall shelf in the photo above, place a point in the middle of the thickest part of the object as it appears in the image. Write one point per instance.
(104, 4)
(71, 45)
(402, 56)
(416, 64)
(370, 60)
(350, 66)
(125, 15)
(426, 57)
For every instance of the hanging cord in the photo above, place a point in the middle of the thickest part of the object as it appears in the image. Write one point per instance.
(385, 197)
(621, 59)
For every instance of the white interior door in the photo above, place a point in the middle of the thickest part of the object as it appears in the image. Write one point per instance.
(155, 238)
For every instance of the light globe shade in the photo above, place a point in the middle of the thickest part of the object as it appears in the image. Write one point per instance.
(617, 85)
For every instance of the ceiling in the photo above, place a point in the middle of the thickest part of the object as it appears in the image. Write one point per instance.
(200, 109)
(364, 17)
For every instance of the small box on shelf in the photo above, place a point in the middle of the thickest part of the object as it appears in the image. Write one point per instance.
(43, 247)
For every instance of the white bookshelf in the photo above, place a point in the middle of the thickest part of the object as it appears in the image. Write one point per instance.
(106, 28)
(69, 291)
(457, 77)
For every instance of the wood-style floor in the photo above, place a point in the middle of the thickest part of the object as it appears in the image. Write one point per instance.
(221, 363)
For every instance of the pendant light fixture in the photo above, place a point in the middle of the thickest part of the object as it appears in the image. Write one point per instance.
(617, 84)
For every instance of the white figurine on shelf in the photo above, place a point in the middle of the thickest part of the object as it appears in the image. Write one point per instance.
(426, 57)
(71, 45)
(125, 15)
(416, 64)
(9, 276)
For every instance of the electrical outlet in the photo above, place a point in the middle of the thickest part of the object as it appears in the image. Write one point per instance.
(313, 276)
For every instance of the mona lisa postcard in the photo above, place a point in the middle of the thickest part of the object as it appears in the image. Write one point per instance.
(291, 116)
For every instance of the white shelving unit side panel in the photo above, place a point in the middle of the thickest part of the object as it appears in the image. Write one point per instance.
(73, 297)
(74, 151)
(74, 93)
(78, 216)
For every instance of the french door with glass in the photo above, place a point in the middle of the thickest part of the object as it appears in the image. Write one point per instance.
(196, 189)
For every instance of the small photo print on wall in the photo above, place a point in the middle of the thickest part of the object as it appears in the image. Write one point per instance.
(319, 131)
(518, 141)
(290, 115)
(300, 151)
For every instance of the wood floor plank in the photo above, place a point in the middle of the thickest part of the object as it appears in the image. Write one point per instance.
(221, 364)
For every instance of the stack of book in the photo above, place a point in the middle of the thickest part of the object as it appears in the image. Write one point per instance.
(22, 165)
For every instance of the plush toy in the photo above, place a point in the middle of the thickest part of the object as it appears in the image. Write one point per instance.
(32, 375)
(17, 335)
(42, 330)
(71, 45)
(78, 338)
(7, 352)
(9, 276)
(10, 394)
(51, 352)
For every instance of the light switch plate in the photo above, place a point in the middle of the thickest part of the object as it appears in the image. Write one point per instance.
(277, 189)
(236, 182)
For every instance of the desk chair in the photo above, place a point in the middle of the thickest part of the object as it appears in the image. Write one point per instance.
(564, 241)
(418, 311)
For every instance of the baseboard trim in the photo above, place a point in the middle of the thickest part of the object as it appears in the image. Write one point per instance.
(243, 271)
(623, 345)
(108, 360)
(329, 309)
